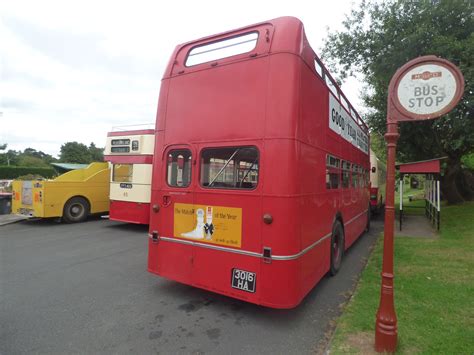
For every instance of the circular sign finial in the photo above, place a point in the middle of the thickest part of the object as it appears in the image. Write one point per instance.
(425, 88)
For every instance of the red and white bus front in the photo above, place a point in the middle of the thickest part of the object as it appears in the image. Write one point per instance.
(131, 154)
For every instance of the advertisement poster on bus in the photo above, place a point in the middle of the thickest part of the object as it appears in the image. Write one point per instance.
(209, 224)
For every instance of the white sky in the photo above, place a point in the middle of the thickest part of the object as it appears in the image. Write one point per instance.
(70, 70)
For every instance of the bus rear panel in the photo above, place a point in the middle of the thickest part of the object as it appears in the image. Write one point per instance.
(252, 168)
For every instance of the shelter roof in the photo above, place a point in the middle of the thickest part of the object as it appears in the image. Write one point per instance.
(68, 166)
(431, 166)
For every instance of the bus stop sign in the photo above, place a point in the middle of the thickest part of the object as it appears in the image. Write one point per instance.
(424, 88)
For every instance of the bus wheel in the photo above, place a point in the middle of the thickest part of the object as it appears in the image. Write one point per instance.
(367, 226)
(76, 210)
(337, 247)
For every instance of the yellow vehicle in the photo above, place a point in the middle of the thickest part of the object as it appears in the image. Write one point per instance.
(72, 196)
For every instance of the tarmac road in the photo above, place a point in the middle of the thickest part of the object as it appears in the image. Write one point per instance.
(84, 288)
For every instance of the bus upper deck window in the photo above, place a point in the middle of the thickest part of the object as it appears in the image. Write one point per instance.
(222, 49)
(231, 168)
(318, 68)
(178, 172)
(332, 86)
(135, 145)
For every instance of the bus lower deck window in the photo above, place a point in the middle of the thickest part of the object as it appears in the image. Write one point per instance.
(231, 168)
(332, 172)
(178, 172)
(122, 173)
(355, 176)
(346, 174)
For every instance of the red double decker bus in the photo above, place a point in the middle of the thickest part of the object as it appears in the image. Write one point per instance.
(260, 171)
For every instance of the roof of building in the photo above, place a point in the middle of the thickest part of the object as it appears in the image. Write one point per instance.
(69, 166)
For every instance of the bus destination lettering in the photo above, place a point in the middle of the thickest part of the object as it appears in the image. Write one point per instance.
(344, 125)
(243, 280)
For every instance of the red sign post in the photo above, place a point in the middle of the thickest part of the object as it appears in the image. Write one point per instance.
(424, 88)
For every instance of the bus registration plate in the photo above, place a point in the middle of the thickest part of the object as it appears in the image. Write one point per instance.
(243, 280)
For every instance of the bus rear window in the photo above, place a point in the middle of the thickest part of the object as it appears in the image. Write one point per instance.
(222, 49)
(230, 168)
(122, 173)
(178, 172)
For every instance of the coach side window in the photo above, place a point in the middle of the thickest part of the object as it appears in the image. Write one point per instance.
(346, 174)
(332, 172)
(178, 172)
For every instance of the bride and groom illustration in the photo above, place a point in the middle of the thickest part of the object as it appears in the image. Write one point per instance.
(202, 230)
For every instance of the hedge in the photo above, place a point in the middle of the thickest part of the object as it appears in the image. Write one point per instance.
(13, 172)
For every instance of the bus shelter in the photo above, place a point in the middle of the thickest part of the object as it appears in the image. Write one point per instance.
(431, 168)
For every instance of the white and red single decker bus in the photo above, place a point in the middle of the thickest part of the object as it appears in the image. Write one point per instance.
(377, 183)
(130, 151)
(261, 167)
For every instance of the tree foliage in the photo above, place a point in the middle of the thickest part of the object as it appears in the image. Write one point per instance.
(378, 38)
(74, 152)
(29, 157)
(97, 154)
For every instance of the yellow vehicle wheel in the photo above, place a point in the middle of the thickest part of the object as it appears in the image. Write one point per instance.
(76, 210)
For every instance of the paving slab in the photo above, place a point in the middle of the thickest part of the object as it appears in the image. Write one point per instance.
(415, 226)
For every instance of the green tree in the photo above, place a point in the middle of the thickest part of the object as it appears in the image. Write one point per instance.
(378, 38)
(31, 161)
(378, 146)
(45, 158)
(74, 152)
(97, 154)
(10, 157)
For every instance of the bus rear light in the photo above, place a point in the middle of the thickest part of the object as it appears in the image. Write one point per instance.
(267, 255)
(267, 218)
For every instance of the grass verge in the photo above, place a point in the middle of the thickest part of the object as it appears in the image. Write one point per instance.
(434, 292)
